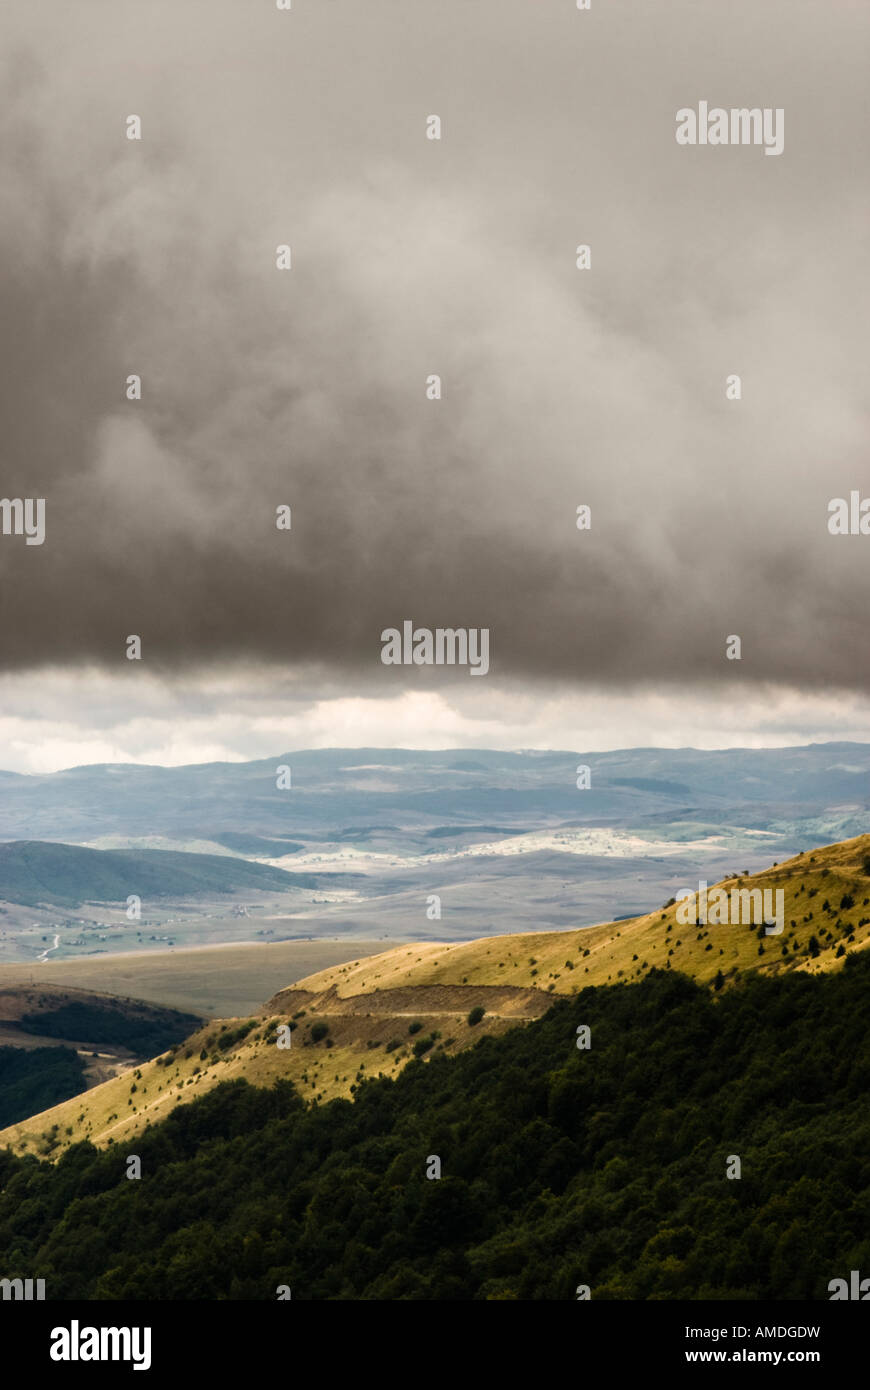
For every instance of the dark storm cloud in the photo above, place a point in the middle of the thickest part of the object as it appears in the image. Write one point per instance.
(307, 388)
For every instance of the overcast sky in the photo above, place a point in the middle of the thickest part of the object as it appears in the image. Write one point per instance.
(307, 387)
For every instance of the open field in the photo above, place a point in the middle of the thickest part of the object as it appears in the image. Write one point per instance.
(217, 981)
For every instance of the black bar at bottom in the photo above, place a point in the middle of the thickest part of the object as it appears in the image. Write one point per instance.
(278, 1339)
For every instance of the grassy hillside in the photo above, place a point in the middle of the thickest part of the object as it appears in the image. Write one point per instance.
(39, 872)
(610, 1167)
(381, 1011)
(814, 885)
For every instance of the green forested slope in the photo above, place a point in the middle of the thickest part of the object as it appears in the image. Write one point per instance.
(561, 1167)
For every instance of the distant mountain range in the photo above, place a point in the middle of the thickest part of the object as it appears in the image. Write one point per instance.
(377, 793)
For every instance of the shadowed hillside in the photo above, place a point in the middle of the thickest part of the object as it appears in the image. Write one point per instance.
(100, 1037)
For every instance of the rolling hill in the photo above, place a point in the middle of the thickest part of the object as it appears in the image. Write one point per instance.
(56, 1041)
(34, 872)
(371, 1017)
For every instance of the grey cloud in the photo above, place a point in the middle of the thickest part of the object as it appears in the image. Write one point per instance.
(560, 387)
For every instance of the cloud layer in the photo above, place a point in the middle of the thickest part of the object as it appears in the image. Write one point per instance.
(411, 257)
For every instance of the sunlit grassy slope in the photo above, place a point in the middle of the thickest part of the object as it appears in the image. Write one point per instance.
(369, 1007)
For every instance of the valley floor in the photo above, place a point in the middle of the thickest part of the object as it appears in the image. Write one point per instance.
(220, 981)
